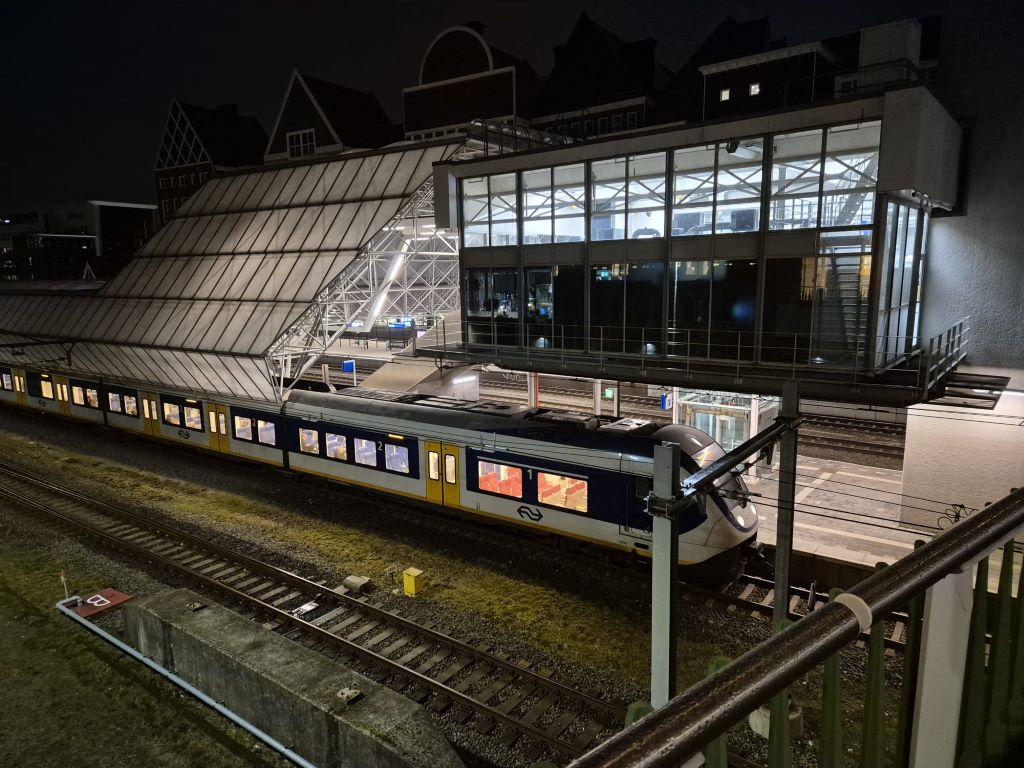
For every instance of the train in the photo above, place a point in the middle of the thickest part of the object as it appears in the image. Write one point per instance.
(575, 477)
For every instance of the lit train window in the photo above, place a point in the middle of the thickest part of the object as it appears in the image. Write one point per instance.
(337, 446)
(78, 396)
(500, 478)
(131, 405)
(7, 383)
(63, 392)
(114, 400)
(309, 441)
(172, 414)
(396, 458)
(222, 420)
(145, 407)
(433, 465)
(193, 417)
(243, 428)
(366, 452)
(560, 491)
(46, 389)
(92, 398)
(268, 435)
(449, 469)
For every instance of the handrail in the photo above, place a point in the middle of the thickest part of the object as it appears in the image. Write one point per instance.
(669, 736)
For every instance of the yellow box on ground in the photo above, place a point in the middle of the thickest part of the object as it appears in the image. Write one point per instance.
(412, 580)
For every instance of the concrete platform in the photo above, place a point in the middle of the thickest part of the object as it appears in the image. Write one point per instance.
(285, 689)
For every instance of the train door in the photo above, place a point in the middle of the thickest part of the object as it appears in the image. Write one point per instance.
(218, 421)
(435, 486)
(19, 387)
(62, 393)
(449, 475)
(150, 414)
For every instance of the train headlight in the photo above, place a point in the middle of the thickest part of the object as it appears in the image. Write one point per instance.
(740, 521)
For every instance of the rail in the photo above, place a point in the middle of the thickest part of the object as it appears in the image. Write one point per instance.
(687, 724)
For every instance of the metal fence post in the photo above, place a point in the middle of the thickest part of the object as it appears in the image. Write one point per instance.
(780, 748)
(716, 754)
(831, 754)
(911, 659)
(972, 707)
(996, 733)
(872, 754)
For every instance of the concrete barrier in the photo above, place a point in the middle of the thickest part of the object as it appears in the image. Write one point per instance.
(294, 694)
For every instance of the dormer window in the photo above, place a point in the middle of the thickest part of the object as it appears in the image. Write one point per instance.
(755, 89)
(723, 95)
(301, 143)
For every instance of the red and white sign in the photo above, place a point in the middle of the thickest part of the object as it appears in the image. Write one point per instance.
(102, 601)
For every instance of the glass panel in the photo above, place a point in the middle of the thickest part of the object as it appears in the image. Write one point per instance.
(396, 458)
(505, 300)
(92, 398)
(568, 306)
(646, 198)
(46, 389)
(537, 206)
(570, 195)
(193, 417)
(851, 172)
(733, 297)
(504, 209)
(738, 190)
(309, 440)
(337, 446)
(645, 282)
(790, 289)
(478, 305)
(500, 479)
(693, 190)
(267, 432)
(689, 308)
(366, 452)
(908, 261)
(539, 307)
(796, 176)
(244, 428)
(560, 491)
(474, 212)
(608, 199)
(114, 400)
(131, 405)
(607, 306)
(433, 465)
(449, 469)
(841, 303)
(172, 414)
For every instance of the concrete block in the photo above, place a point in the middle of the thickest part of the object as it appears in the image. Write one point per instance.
(355, 583)
(330, 715)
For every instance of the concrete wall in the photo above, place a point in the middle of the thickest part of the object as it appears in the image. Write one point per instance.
(975, 261)
(284, 688)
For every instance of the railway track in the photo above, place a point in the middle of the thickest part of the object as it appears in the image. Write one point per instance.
(824, 440)
(484, 690)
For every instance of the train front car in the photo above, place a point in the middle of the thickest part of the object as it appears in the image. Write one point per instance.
(718, 538)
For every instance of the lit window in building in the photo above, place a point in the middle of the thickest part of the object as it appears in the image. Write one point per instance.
(561, 491)
(723, 95)
(301, 143)
(755, 89)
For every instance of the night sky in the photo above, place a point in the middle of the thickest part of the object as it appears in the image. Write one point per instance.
(86, 85)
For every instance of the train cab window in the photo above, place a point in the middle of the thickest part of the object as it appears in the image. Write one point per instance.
(560, 491)
(92, 398)
(396, 458)
(7, 383)
(131, 405)
(243, 428)
(449, 469)
(337, 447)
(433, 465)
(500, 478)
(309, 441)
(366, 452)
(114, 400)
(267, 432)
(193, 417)
(78, 396)
(46, 389)
(172, 414)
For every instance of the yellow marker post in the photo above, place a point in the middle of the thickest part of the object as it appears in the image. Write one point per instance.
(412, 580)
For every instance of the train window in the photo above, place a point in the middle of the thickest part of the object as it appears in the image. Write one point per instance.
(643, 487)
(172, 414)
(222, 420)
(309, 441)
(243, 428)
(337, 447)
(396, 458)
(193, 417)
(500, 478)
(46, 389)
(92, 398)
(267, 432)
(366, 452)
(63, 392)
(145, 407)
(560, 491)
(433, 465)
(78, 396)
(449, 468)
(114, 400)
(131, 405)
(7, 384)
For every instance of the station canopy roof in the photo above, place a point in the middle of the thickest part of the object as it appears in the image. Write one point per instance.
(205, 299)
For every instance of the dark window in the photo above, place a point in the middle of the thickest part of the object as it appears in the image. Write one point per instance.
(301, 143)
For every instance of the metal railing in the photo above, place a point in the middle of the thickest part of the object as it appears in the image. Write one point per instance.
(944, 352)
(991, 703)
